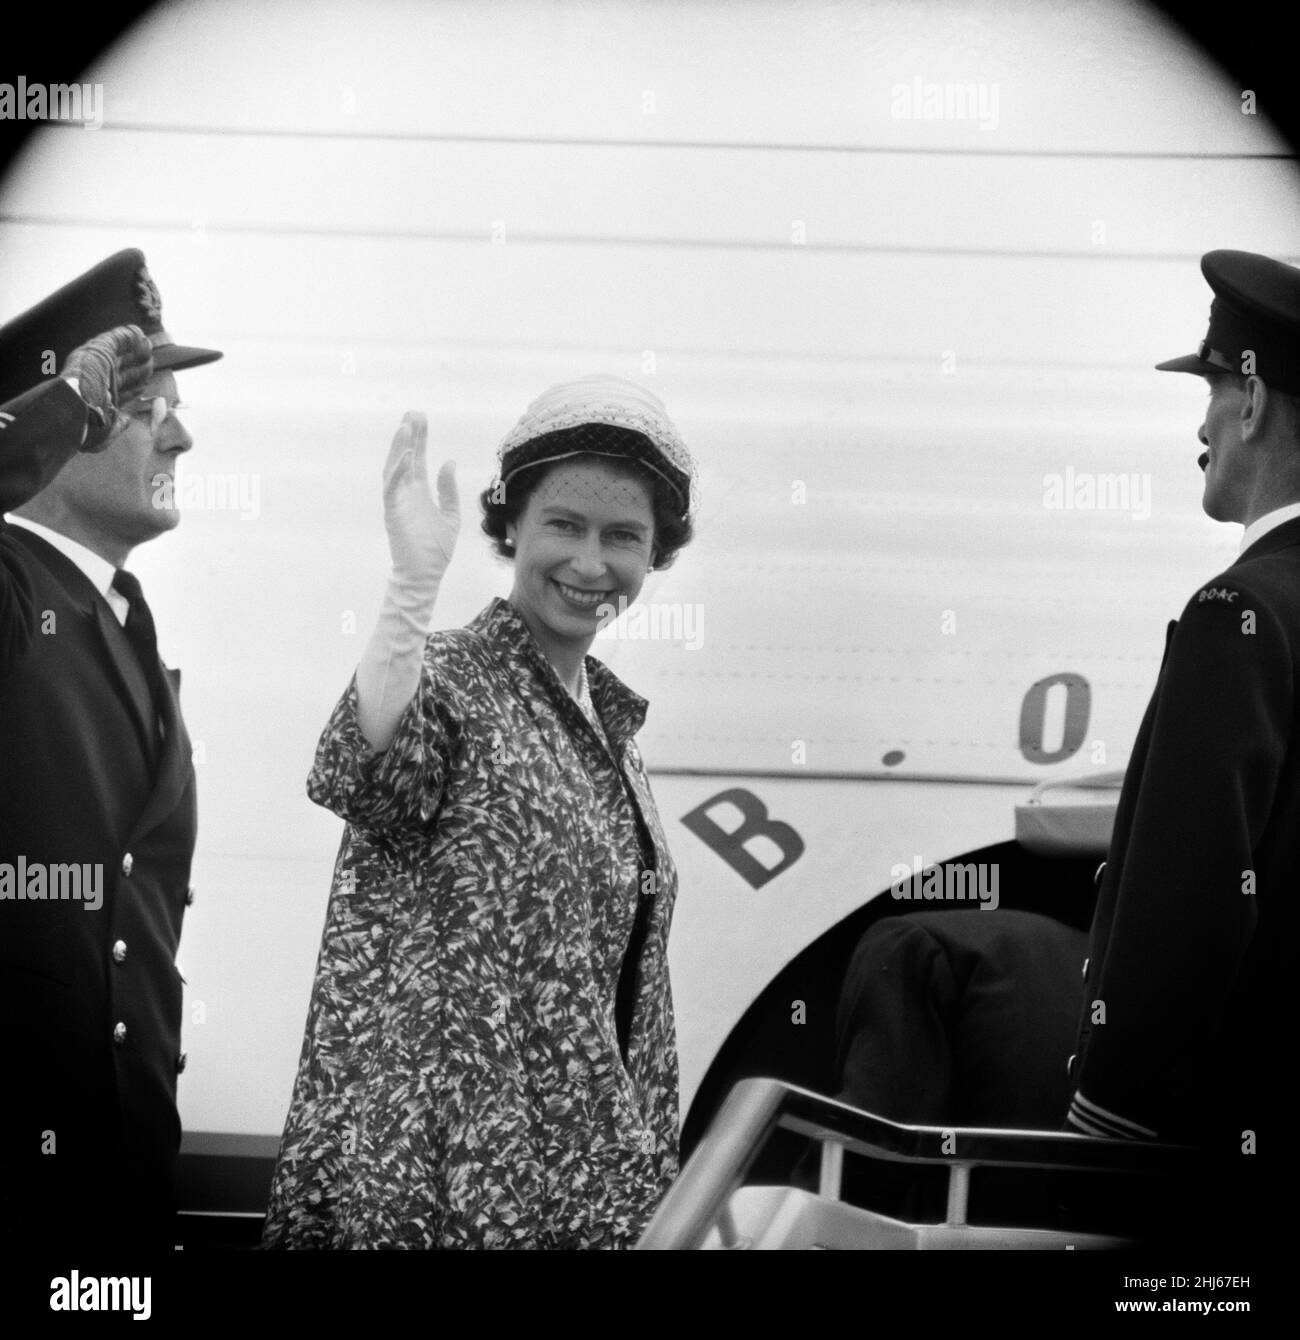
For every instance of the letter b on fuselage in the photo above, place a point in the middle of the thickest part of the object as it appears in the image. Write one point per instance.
(754, 823)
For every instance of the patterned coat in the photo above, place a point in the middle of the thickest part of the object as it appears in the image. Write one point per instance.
(461, 1081)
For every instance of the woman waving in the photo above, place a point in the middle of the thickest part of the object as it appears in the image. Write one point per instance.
(490, 1057)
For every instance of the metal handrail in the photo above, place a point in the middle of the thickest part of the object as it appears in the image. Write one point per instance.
(756, 1108)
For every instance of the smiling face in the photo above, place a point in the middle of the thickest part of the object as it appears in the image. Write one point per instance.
(583, 540)
(1227, 460)
(115, 499)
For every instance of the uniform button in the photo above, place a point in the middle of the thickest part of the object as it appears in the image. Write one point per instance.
(1085, 968)
(119, 951)
(127, 862)
(119, 1033)
(189, 896)
(181, 1062)
(1070, 1064)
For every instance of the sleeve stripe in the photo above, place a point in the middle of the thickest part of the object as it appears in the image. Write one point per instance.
(1097, 1120)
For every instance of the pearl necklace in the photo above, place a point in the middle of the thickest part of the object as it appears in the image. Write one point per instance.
(587, 707)
(583, 695)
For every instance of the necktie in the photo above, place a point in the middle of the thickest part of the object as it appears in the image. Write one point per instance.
(140, 631)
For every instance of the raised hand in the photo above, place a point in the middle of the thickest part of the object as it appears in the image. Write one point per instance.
(110, 370)
(421, 532)
(421, 538)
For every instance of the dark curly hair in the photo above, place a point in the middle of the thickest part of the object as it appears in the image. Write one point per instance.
(504, 504)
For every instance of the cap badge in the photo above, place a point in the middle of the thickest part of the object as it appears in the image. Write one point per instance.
(150, 298)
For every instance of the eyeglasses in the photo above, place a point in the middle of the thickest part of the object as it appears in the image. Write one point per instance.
(156, 409)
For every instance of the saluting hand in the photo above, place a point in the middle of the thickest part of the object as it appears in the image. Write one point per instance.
(421, 533)
(110, 371)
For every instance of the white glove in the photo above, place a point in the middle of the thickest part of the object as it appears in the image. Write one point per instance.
(421, 538)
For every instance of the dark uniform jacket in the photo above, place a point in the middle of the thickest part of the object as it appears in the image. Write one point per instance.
(92, 777)
(1186, 1031)
(961, 1018)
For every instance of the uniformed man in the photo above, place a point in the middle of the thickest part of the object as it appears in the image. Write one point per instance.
(97, 804)
(1186, 1023)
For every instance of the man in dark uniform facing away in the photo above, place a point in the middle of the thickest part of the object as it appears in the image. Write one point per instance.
(1186, 1031)
(1185, 1013)
(97, 803)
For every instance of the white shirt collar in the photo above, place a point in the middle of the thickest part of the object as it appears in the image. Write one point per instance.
(1269, 521)
(99, 571)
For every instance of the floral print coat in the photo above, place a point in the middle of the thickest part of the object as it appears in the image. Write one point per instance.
(461, 1081)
